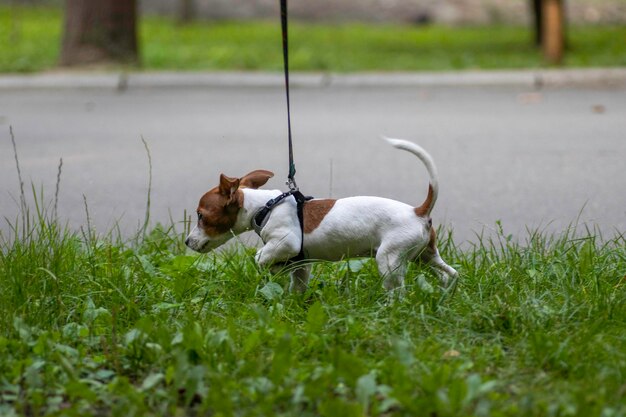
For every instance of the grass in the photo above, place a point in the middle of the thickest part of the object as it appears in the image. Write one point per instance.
(94, 325)
(30, 40)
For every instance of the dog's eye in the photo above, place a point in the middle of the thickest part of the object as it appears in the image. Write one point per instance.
(199, 216)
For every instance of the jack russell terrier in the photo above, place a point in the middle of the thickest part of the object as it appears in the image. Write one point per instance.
(390, 231)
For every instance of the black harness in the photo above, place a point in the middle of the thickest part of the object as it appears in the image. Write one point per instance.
(262, 216)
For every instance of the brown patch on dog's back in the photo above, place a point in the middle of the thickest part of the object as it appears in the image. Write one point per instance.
(314, 213)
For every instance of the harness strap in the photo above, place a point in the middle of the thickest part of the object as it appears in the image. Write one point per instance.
(259, 220)
(300, 200)
(261, 217)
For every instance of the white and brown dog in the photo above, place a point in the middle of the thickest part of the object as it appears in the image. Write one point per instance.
(390, 231)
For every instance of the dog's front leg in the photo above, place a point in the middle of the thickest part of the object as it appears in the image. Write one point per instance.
(300, 279)
(278, 250)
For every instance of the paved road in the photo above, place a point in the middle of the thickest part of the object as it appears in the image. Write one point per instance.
(526, 158)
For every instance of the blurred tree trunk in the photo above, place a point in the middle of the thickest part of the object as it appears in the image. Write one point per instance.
(100, 31)
(186, 11)
(549, 26)
(553, 39)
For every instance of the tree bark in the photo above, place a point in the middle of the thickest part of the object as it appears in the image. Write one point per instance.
(554, 32)
(100, 31)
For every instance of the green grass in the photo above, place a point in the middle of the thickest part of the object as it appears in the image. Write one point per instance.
(30, 41)
(93, 325)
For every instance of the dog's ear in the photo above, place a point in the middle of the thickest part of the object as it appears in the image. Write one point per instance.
(228, 186)
(256, 179)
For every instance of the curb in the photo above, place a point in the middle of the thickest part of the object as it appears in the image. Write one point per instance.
(615, 77)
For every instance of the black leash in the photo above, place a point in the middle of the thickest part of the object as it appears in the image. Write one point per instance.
(261, 217)
(283, 20)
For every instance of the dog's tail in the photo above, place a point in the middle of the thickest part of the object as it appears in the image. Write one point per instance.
(433, 188)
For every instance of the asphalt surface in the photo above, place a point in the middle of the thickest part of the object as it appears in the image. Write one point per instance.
(527, 154)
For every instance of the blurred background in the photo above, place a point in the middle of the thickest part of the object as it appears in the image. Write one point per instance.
(405, 11)
(347, 35)
(521, 102)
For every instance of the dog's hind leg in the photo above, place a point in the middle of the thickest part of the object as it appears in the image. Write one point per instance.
(444, 271)
(430, 255)
(392, 267)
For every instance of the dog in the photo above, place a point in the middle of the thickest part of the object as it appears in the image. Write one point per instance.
(390, 231)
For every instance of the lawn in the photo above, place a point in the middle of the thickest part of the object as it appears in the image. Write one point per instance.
(93, 325)
(30, 40)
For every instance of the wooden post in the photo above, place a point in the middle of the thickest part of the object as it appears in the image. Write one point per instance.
(553, 31)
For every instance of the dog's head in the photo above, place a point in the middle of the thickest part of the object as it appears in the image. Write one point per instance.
(218, 210)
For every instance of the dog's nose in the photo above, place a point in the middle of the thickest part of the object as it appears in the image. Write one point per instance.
(187, 241)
